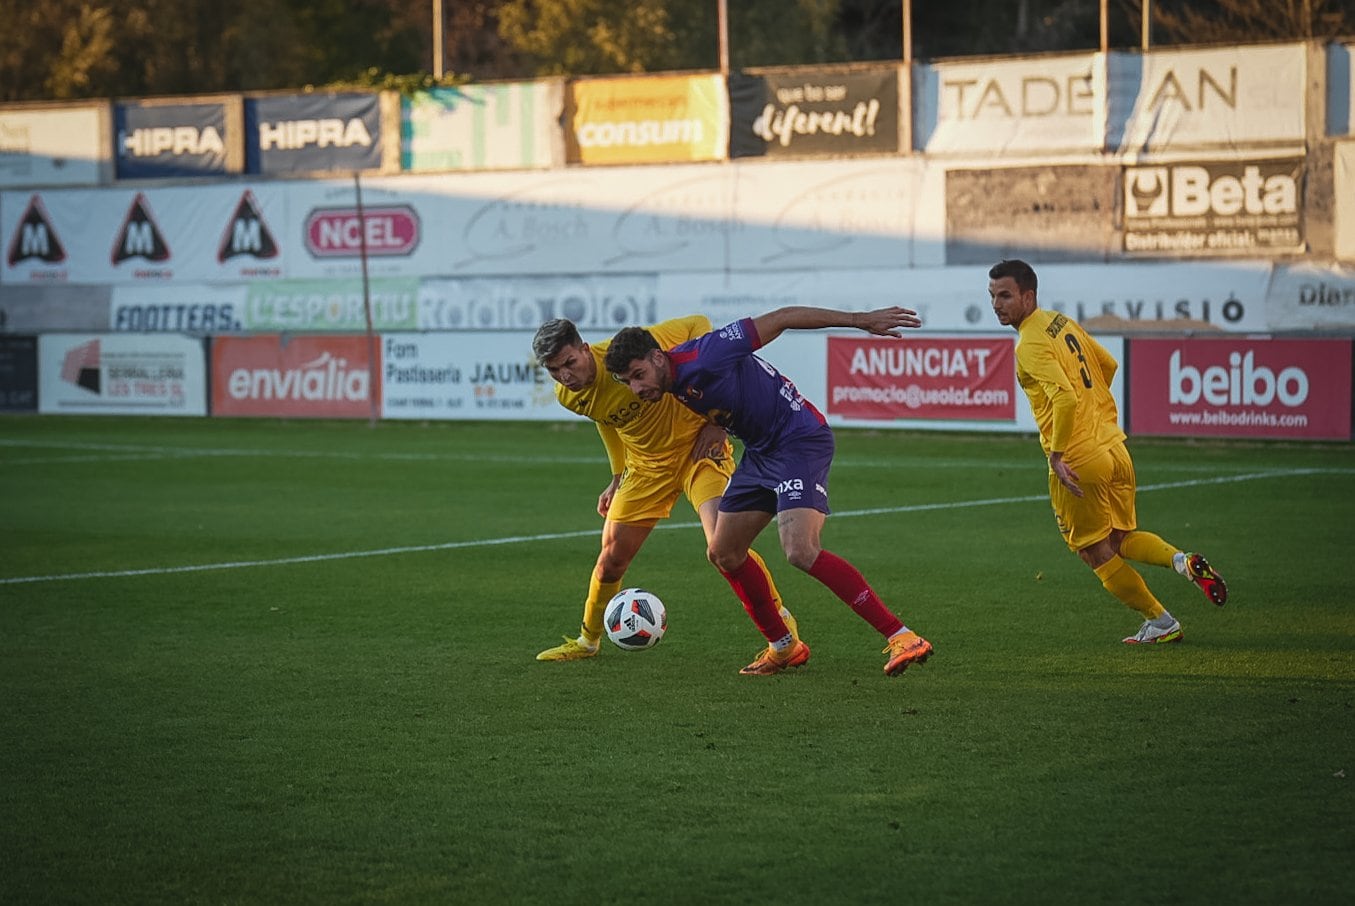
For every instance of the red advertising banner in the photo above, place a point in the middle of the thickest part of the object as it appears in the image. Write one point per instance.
(931, 378)
(1240, 388)
(304, 377)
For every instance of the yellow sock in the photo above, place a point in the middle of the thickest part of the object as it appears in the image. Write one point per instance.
(1124, 582)
(762, 565)
(599, 593)
(1145, 547)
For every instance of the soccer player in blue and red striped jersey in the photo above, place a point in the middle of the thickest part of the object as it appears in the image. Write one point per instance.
(788, 449)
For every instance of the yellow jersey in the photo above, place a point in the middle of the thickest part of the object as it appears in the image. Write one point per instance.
(644, 437)
(1067, 374)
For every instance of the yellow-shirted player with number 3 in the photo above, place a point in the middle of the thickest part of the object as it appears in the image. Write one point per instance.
(1066, 374)
(657, 451)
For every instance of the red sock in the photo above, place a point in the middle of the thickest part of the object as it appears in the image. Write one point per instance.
(750, 584)
(846, 581)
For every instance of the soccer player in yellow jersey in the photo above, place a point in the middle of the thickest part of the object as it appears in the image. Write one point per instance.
(657, 451)
(1066, 374)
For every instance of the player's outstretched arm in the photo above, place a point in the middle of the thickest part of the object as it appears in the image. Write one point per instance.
(885, 322)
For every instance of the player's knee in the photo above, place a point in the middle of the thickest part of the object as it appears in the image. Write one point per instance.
(611, 566)
(725, 559)
(802, 556)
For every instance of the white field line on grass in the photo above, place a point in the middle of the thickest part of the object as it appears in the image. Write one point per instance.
(593, 532)
(97, 452)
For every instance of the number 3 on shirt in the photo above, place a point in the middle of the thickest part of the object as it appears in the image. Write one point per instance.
(1076, 349)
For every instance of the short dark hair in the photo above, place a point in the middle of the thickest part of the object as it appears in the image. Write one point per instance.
(1018, 270)
(629, 344)
(552, 337)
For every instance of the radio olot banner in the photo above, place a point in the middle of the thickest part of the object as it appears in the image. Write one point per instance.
(503, 126)
(121, 374)
(1219, 207)
(313, 133)
(293, 377)
(927, 378)
(169, 140)
(814, 113)
(1241, 388)
(660, 119)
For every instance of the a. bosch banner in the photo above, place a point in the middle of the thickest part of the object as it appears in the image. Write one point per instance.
(929, 378)
(661, 119)
(1241, 388)
(313, 133)
(293, 377)
(174, 140)
(1214, 207)
(814, 113)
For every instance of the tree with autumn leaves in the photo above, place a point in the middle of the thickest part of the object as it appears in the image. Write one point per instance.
(69, 49)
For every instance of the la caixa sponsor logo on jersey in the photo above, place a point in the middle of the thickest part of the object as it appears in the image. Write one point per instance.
(378, 231)
(1241, 388)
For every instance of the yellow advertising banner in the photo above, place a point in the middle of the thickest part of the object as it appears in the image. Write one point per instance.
(648, 120)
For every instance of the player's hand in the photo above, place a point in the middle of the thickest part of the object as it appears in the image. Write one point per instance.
(712, 442)
(1064, 473)
(886, 322)
(605, 498)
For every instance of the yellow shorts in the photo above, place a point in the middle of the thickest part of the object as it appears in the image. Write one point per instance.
(649, 496)
(1107, 502)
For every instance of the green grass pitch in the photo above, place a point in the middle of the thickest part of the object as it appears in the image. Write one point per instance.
(292, 662)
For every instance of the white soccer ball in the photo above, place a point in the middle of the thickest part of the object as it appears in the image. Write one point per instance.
(635, 619)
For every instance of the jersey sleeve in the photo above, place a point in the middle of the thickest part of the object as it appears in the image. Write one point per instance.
(1104, 360)
(1039, 361)
(680, 330)
(616, 449)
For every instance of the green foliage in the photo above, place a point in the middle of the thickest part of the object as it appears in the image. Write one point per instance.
(359, 724)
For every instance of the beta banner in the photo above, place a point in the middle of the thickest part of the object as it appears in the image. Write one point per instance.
(1241, 388)
(930, 378)
(661, 119)
(1217, 207)
(814, 113)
